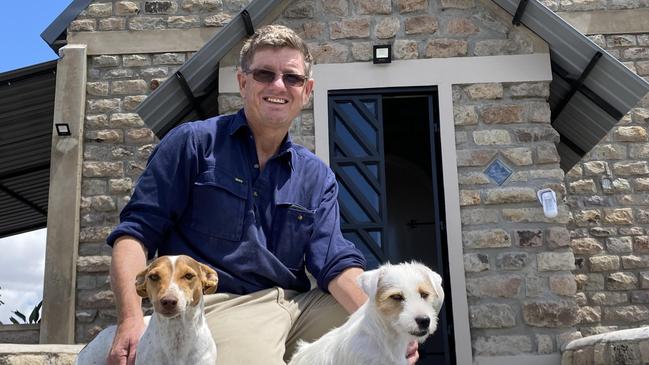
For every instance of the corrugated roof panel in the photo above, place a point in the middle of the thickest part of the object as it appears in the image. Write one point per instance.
(56, 33)
(585, 123)
(26, 112)
(168, 105)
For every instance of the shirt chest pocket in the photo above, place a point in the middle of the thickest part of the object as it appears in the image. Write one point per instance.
(219, 203)
(293, 227)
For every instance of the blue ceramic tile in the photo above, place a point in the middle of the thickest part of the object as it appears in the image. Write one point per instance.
(498, 172)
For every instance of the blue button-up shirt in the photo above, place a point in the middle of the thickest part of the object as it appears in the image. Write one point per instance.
(202, 194)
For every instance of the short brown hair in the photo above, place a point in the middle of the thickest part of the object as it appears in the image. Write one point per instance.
(274, 36)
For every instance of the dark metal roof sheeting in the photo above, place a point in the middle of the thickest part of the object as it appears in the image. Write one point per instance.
(168, 105)
(583, 122)
(26, 114)
(56, 33)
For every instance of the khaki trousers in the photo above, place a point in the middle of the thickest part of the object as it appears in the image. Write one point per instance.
(262, 328)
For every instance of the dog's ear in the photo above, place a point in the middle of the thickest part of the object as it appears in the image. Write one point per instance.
(140, 283)
(436, 282)
(369, 281)
(209, 279)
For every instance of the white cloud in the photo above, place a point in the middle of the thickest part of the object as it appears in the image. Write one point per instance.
(22, 264)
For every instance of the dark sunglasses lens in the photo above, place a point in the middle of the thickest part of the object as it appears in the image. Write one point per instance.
(293, 80)
(264, 76)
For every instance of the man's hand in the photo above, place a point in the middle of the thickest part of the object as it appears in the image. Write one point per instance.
(412, 354)
(127, 336)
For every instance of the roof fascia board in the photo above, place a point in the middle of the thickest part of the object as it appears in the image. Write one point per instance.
(572, 50)
(60, 25)
(201, 70)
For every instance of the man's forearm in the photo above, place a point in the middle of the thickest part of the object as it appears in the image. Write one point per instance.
(346, 291)
(128, 259)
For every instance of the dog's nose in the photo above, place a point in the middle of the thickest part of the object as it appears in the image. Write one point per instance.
(169, 302)
(422, 321)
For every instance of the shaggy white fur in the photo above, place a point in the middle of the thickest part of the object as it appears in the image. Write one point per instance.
(404, 301)
(177, 332)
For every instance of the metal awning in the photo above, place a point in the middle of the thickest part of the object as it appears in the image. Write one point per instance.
(590, 91)
(191, 94)
(57, 32)
(26, 112)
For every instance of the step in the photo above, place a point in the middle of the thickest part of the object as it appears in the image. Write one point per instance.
(19, 354)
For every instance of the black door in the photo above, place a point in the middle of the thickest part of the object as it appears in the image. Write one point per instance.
(385, 151)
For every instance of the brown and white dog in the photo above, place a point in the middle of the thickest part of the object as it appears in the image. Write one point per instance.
(404, 301)
(177, 332)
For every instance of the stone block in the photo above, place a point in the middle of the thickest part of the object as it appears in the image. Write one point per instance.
(630, 134)
(492, 316)
(502, 114)
(350, 28)
(621, 281)
(300, 9)
(609, 298)
(202, 6)
(461, 27)
(501, 345)
(146, 23)
(329, 52)
(558, 237)
(495, 286)
(555, 261)
(635, 262)
(476, 262)
(465, 115)
(563, 284)
(630, 168)
(336, 7)
(512, 261)
(446, 47)
(126, 8)
(618, 216)
(362, 51)
(509, 195)
(530, 90)
(550, 314)
(92, 264)
(604, 263)
(220, 20)
(488, 91)
(409, 6)
(626, 314)
(478, 216)
(373, 6)
(469, 197)
(529, 238)
(405, 49)
(486, 239)
(387, 28)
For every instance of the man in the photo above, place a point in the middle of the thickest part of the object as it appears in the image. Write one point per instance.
(236, 193)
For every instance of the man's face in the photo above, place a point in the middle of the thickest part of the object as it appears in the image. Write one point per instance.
(274, 104)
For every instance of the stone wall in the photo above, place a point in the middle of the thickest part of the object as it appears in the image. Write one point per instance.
(607, 195)
(518, 262)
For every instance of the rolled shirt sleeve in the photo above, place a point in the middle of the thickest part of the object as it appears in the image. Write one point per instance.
(329, 253)
(161, 192)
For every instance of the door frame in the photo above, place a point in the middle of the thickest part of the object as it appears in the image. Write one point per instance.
(443, 73)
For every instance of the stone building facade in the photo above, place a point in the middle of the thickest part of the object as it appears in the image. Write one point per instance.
(607, 190)
(530, 281)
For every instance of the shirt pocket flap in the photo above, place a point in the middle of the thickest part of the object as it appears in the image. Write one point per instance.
(224, 180)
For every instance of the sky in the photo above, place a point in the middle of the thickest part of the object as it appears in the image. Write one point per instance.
(22, 23)
(23, 256)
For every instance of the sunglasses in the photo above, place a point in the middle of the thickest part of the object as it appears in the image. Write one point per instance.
(267, 77)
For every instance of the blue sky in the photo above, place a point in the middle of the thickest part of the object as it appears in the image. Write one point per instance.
(21, 23)
(23, 256)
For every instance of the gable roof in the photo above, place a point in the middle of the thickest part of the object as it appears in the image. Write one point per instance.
(590, 90)
(56, 33)
(26, 112)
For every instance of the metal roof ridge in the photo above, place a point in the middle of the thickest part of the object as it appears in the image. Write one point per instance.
(171, 101)
(56, 33)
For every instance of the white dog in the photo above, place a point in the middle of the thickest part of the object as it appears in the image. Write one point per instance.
(177, 332)
(404, 301)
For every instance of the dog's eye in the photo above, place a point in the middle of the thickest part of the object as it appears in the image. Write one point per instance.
(189, 276)
(154, 277)
(424, 295)
(397, 297)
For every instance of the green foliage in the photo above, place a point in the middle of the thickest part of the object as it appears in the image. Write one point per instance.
(34, 315)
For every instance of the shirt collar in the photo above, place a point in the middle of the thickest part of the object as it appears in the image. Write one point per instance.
(286, 149)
